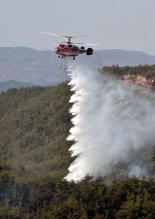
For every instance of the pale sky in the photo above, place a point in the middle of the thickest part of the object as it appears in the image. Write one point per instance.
(115, 24)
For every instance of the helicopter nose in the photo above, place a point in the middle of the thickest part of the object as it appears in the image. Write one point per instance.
(56, 50)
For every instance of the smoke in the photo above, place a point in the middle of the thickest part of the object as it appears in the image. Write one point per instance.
(137, 171)
(110, 120)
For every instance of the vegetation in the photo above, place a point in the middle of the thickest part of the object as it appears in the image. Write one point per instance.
(144, 70)
(34, 158)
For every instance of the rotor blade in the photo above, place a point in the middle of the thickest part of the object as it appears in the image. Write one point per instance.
(69, 37)
(87, 44)
(58, 41)
(77, 43)
(91, 44)
(53, 34)
(81, 35)
(75, 36)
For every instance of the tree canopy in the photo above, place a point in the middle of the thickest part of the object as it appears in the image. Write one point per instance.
(34, 158)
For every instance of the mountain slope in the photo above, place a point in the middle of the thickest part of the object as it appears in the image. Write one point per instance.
(123, 57)
(34, 157)
(30, 66)
(4, 86)
(34, 125)
(43, 67)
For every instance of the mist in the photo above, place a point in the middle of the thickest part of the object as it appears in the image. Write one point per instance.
(111, 119)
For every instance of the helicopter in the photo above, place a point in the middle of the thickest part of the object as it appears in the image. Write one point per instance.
(69, 49)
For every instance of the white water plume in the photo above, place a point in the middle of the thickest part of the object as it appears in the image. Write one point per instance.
(110, 119)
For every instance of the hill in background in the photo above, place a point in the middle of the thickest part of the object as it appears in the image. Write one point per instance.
(4, 86)
(30, 66)
(25, 65)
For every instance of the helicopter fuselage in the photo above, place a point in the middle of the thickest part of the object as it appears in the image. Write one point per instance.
(64, 50)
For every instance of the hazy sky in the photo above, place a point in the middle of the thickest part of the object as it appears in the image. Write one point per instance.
(122, 24)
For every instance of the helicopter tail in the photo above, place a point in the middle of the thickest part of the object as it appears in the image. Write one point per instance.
(89, 51)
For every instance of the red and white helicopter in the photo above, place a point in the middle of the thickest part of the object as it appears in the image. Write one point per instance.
(69, 49)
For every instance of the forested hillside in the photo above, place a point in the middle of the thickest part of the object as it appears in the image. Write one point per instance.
(143, 75)
(30, 66)
(34, 158)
